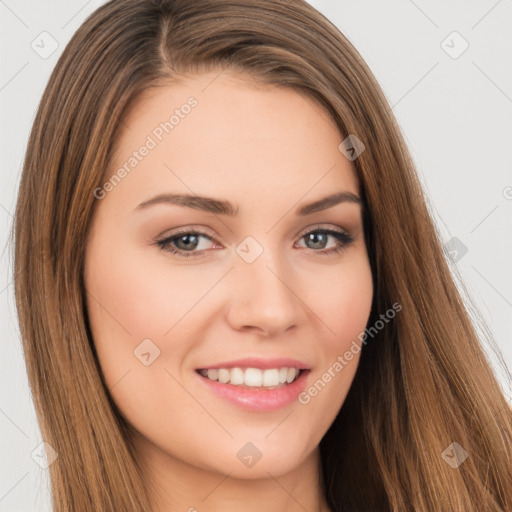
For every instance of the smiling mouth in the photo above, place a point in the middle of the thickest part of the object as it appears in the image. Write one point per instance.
(253, 378)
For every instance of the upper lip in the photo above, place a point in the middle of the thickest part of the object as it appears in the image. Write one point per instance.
(256, 362)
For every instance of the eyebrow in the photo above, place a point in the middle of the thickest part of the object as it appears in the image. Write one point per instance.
(223, 207)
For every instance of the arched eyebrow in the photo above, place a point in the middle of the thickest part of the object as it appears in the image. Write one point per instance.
(223, 207)
(328, 202)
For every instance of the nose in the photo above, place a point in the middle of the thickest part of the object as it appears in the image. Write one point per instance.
(264, 299)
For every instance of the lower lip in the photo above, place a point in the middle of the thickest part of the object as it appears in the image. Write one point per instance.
(258, 399)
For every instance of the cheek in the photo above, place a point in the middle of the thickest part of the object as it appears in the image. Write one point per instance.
(343, 311)
(132, 297)
(130, 308)
(135, 318)
(342, 301)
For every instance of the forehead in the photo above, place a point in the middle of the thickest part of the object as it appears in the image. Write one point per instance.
(218, 132)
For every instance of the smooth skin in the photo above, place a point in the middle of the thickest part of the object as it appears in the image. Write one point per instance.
(267, 150)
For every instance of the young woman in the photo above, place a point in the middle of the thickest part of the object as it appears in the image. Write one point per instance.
(230, 291)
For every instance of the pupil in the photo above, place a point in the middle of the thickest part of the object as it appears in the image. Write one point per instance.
(188, 244)
(313, 237)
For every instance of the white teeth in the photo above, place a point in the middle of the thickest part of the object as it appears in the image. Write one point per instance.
(237, 376)
(271, 377)
(291, 375)
(252, 377)
(224, 375)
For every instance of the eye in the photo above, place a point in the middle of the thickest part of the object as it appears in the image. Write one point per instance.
(184, 243)
(318, 239)
(187, 243)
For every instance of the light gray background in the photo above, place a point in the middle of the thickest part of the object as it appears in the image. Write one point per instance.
(456, 115)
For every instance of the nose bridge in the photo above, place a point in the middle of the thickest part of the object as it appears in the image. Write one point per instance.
(264, 297)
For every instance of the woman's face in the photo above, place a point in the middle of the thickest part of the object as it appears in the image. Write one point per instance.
(260, 279)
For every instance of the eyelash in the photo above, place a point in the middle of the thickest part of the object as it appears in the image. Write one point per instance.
(341, 236)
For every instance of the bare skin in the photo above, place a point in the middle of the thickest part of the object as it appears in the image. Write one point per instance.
(268, 151)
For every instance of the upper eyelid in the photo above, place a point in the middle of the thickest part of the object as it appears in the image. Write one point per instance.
(204, 232)
(322, 227)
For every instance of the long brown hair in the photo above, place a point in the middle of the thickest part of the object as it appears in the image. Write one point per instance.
(422, 383)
